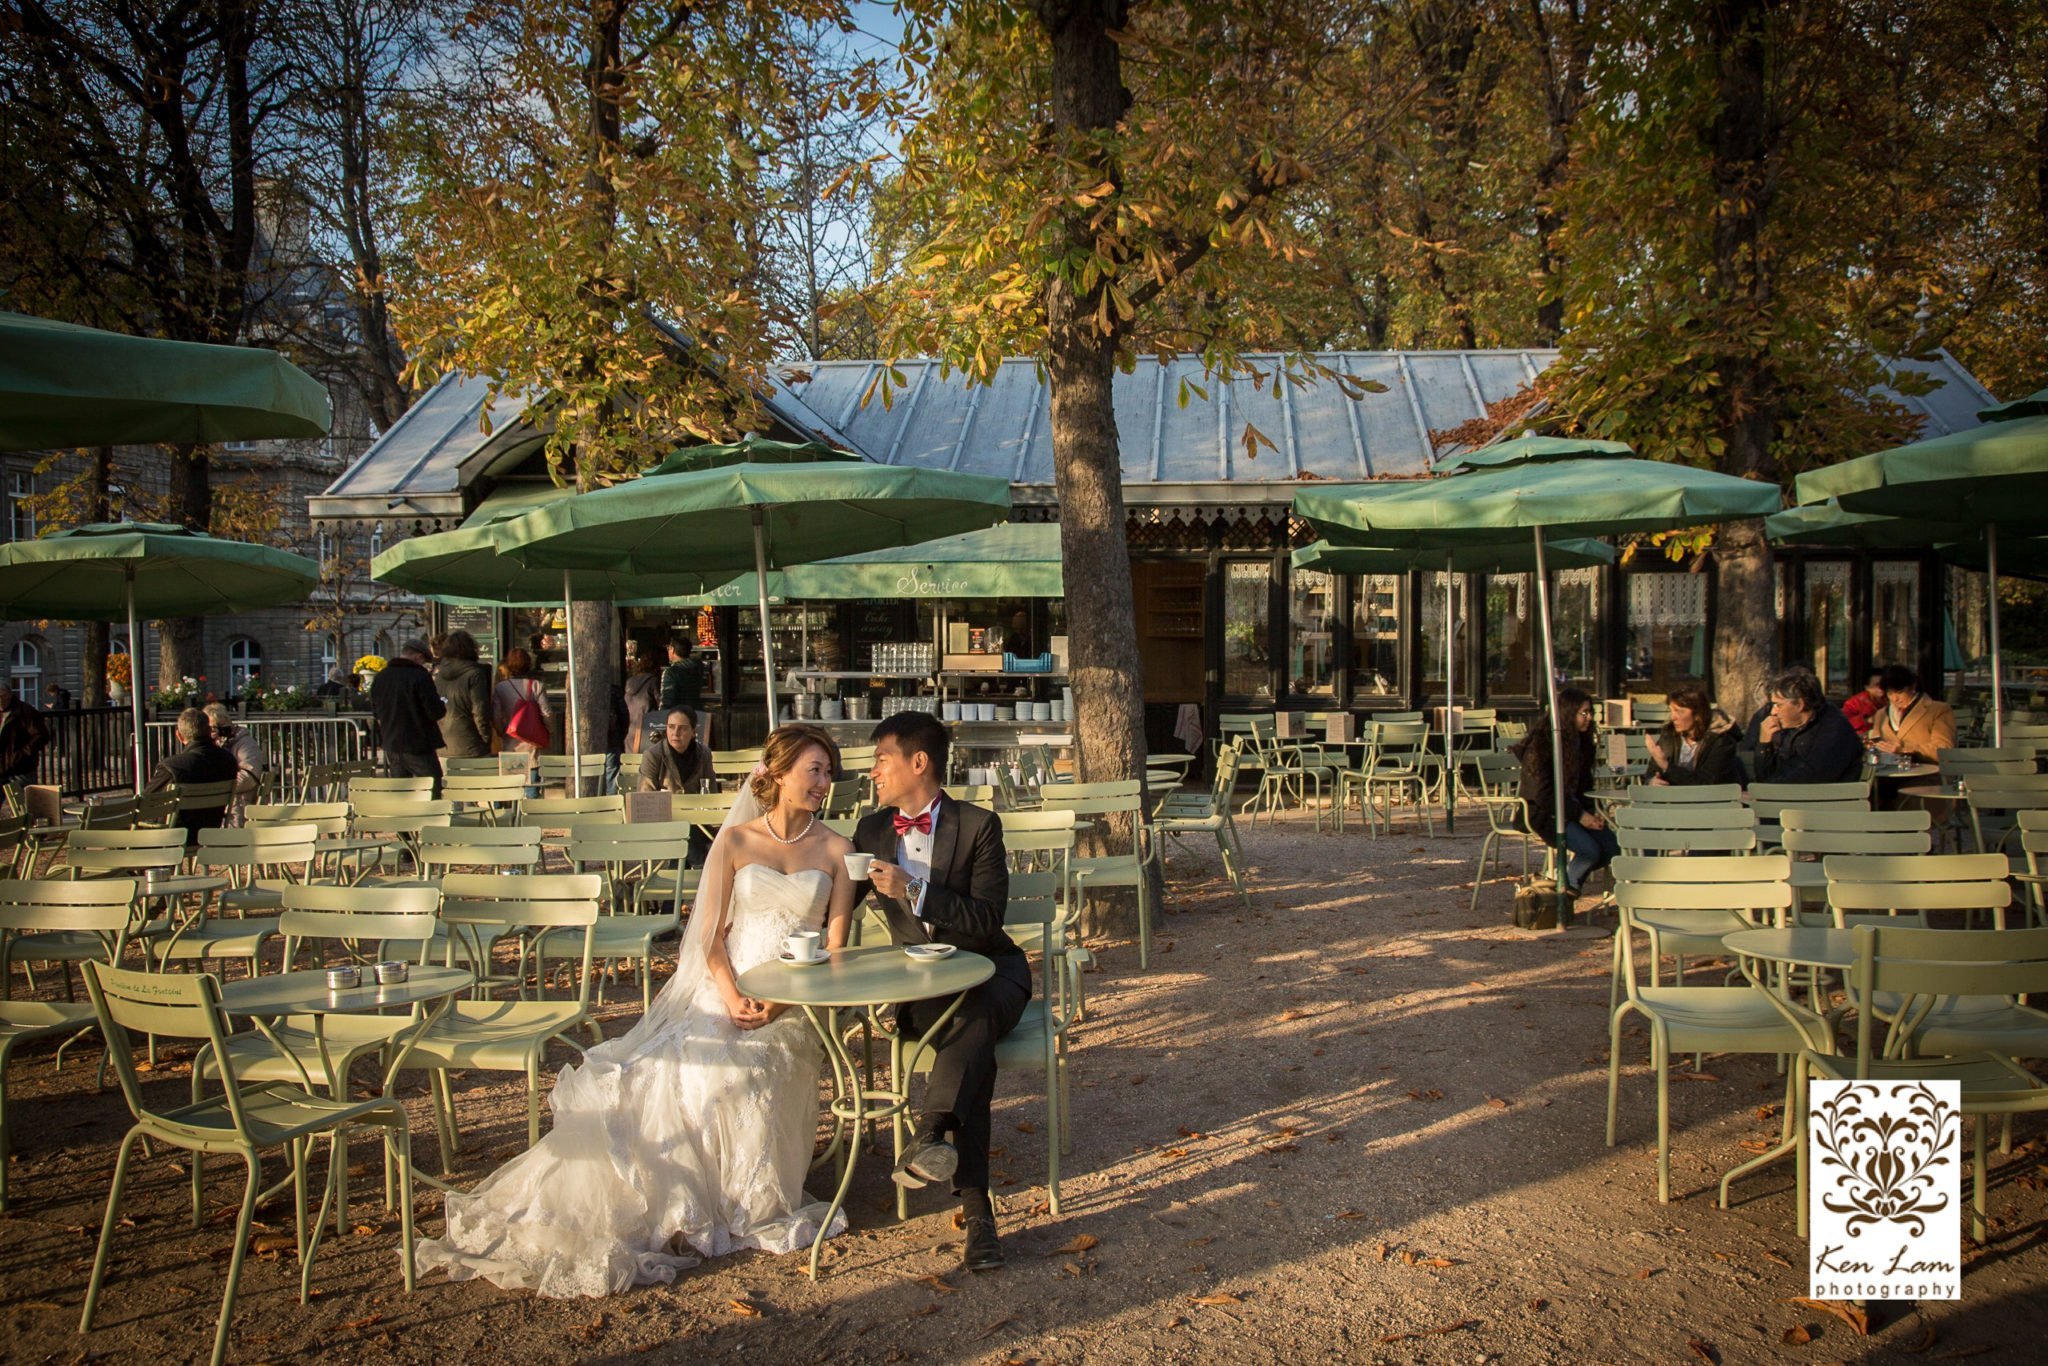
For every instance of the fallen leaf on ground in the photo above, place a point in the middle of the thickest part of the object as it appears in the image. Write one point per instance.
(1285, 1148)
(1082, 1242)
(1539, 1305)
(1138, 1080)
(1848, 1313)
(1215, 1298)
(1025, 1126)
(1798, 1335)
(1431, 1094)
(1460, 1325)
(1703, 1349)
(1646, 1273)
(1771, 1256)
(1186, 1132)
(938, 1283)
(1417, 1259)
(742, 1307)
(1694, 1076)
(1198, 1242)
(1352, 1214)
(1496, 1102)
(1926, 1341)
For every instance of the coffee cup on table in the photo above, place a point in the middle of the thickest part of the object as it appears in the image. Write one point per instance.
(857, 866)
(802, 946)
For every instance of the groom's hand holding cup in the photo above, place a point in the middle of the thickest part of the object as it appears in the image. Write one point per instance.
(889, 879)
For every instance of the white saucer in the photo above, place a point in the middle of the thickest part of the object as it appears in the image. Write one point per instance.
(804, 962)
(930, 951)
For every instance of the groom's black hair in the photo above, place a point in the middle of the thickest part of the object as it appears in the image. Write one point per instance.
(917, 732)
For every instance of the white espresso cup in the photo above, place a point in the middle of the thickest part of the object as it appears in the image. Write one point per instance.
(857, 866)
(803, 945)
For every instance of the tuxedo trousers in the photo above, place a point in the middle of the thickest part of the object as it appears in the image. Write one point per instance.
(963, 1076)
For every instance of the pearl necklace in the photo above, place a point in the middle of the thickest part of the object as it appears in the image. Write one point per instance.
(769, 826)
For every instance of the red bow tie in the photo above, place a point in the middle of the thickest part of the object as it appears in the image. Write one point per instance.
(921, 823)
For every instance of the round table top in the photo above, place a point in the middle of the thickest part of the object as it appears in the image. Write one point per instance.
(1932, 792)
(306, 992)
(877, 975)
(1810, 947)
(1907, 772)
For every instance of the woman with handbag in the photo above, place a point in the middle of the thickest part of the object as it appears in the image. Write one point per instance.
(520, 715)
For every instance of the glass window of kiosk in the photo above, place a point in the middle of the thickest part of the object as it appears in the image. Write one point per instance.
(1432, 613)
(1575, 612)
(1667, 630)
(1827, 624)
(1511, 646)
(1376, 635)
(1247, 628)
(1311, 633)
(1895, 612)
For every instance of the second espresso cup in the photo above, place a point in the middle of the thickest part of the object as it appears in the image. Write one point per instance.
(802, 945)
(857, 866)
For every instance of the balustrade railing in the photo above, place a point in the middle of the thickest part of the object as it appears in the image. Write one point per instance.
(91, 749)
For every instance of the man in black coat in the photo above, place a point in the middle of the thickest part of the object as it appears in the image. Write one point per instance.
(408, 707)
(199, 760)
(1803, 739)
(941, 876)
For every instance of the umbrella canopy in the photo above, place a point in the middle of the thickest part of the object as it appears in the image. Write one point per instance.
(2033, 405)
(64, 385)
(97, 573)
(752, 450)
(1532, 450)
(1010, 560)
(1515, 557)
(1601, 497)
(85, 574)
(716, 522)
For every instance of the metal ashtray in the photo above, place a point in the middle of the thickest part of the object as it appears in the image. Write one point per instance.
(341, 979)
(390, 973)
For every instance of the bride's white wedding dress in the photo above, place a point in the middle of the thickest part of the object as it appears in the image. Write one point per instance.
(685, 1125)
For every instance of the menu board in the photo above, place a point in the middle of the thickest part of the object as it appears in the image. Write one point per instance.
(878, 621)
(481, 622)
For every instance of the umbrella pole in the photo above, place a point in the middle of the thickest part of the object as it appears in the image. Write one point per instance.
(1450, 756)
(761, 598)
(1564, 900)
(135, 678)
(1991, 604)
(575, 784)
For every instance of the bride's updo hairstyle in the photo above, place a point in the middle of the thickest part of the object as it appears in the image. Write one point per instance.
(786, 745)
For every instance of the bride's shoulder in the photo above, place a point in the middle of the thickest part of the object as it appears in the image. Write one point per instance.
(836, 844)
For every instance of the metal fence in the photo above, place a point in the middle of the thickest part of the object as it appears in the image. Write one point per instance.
(91, 749)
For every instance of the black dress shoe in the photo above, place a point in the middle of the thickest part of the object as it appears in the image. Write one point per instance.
(984, 1251)
(930, 1162)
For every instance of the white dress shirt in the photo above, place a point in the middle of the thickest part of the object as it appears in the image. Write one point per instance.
(914, 855)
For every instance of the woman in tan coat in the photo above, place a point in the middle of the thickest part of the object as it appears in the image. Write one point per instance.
(1911, 722)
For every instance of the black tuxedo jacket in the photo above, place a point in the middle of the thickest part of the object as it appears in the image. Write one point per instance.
(969, 887)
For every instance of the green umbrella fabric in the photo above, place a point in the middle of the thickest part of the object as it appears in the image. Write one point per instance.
(1567, 498)
(753, 450)
(83, 574)
(1996, 473)
(1532, 450)
(1827, 524)
(463, 567)
(1010, 560)
(1511, 557)
(64, 385)
(2033, 405)
(702, 523)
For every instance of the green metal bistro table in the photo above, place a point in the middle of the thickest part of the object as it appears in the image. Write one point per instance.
(863, 979)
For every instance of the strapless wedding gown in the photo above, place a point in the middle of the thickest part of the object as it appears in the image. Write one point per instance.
(699, 1128)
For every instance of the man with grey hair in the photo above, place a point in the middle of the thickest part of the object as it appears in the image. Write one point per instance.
(408, 708)
(198, 760)
(1803, 739)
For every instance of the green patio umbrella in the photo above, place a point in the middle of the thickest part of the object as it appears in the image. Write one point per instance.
(751, 450)
(90, 573)
(1596, 497)
(64, 385)
(1532, 450)
(1008, 560)
(1993, 477)
(1512, 557)
(716, 522)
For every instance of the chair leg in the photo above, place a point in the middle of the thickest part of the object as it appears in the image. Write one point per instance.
(533, 1098)
(300, 1150)
(1662, 1046)
(227, 1299)
(337, 1169)
(1977, 1181)
(99, 1261)
(1614, 1068)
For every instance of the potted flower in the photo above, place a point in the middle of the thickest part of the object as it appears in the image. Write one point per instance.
(171, 698)
(120, 676)
(285, 699)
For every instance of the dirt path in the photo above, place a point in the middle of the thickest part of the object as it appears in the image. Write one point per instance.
(1359, 1124)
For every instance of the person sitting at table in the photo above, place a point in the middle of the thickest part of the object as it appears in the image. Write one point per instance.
(1588, 842)
(200, 761)
(1696, 746)
(1861, 708)
(1804, 740)
(1912, 723)
(679, 762)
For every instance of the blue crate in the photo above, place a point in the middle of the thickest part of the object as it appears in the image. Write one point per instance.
(1040, 665)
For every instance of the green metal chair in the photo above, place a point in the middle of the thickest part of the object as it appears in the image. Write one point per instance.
(1771, 800)
(338, 856)
(1685, 794)
(1112, 871)
(1391, 768)
(241, 1121)
(1995, 802)
(625, 857)
(1902, 889)
(1701, 1020)
(483, 798)
(1921, 969)
(395, 821)
(1507, 816)
(2033, 844)
(92, 855)
(506, 1036)
(103, 909)
(370, 785)
(1182, 814)
(330, 782)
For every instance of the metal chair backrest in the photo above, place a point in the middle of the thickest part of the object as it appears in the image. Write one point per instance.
(110, 813)
(619, 851)
(479, 846)
(1769, 800)
(1685, 830)
(844, 799)
(203, 796)
(1883, 884)
(102, 906)
(482, 765)
(734, 763)
(1499, 774)
(169, 1005)
(1923, 967)
(1754, 886)
(408, 812)
(480, 908)
(328, 819)
(1022, 822)
(856, 759)
(554, 812)
(360, 920)
(2031, 736)
(1651, 713)
(419, 788)
(1686, 794)
(260, 850)
(1826, 831)
(155, 808)
(89, 852)
(325, 779)
(1397, 744)
(1094, 799)
(979, 794)
(484, 787)
(2012, 761)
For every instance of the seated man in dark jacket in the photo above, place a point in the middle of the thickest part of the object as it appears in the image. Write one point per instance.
(679, 762)
(199, 760)
(1804, 740)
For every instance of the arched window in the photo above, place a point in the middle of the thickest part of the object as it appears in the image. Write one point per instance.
(376, 540)
(245, 661)
(330, 658)
(25, 670)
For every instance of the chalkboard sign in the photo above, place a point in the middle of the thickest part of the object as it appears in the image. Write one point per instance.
(481, 622)
(880, 620)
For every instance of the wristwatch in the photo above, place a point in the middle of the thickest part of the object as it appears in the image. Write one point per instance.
(913, 894)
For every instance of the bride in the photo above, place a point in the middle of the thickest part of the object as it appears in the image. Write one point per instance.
(697, 1125)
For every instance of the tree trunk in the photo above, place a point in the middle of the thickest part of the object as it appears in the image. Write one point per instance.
(1088, 94)
(181, 644)
(1745, 618)
(92, 690)
(596, 675)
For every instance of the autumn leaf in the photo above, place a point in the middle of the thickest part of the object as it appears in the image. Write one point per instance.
(744, 1309)
(1647, 1272)
(939, 1284)
(1703, 1349)
(1848, 1313)
(1351, 1214)
(1215, 1297)
(1798, 1335)
(1082, 1242)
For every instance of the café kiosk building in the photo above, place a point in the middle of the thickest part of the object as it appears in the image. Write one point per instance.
(1224, 623)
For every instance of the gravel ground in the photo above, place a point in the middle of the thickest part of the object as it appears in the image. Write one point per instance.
(1359, 1123)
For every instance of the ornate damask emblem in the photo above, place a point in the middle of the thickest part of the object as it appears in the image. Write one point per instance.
(1888, 1163)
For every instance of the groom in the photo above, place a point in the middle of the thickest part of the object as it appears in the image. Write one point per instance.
(940, 876)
